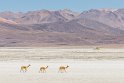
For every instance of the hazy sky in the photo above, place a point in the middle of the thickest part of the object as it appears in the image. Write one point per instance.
(76, 5)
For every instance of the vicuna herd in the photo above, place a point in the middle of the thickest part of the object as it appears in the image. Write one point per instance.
(43, 69)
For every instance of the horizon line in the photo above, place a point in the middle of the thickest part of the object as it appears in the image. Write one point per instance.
(15, 11)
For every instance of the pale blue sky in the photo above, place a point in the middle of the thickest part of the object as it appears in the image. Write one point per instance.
(75, 5)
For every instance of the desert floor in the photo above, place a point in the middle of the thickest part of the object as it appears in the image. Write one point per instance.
(78, 72)
(85, 65)
(34, 53)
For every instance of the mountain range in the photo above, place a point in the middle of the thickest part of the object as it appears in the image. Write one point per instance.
(62, 28)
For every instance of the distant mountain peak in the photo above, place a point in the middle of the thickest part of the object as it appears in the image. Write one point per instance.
(68, 10)
(107, 9)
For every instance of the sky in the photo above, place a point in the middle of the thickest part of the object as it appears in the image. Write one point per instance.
(75, 5)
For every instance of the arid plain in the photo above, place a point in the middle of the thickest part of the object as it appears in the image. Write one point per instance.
(86, 65)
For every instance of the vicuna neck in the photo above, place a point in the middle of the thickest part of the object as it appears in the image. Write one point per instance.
(67, 67)
(46, 67)
(28, 66)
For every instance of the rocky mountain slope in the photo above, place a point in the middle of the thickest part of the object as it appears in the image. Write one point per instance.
(62, 27)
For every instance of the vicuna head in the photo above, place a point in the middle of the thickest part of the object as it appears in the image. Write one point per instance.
(29, 65)
(67, 66)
